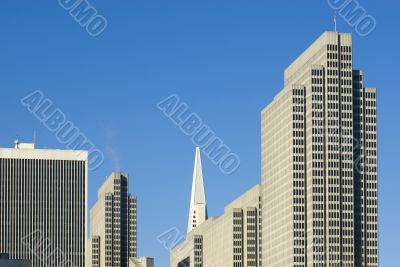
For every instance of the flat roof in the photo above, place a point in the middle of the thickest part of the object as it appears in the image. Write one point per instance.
(46, 154)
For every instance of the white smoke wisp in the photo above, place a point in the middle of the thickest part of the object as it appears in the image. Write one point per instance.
(111, 149)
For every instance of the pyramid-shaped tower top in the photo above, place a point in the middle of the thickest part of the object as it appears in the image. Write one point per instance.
(198, 205)
(198, 195)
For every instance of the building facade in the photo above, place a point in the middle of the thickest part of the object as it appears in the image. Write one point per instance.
(43, 200)
(113, 224)
(319, 162)
(231, 240)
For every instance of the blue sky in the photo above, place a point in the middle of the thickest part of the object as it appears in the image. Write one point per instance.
(225, 59)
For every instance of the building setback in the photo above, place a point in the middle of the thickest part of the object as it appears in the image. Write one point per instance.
(113, 224)
(43, 200)
(231, 240)
(319, 162)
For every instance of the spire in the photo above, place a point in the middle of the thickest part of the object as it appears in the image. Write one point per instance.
(198, 206)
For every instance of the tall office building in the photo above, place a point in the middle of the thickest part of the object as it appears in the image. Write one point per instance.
(233, 239)
(43, 200)
(113, 224)
(230, 240)
(319, 162)
(198, 205)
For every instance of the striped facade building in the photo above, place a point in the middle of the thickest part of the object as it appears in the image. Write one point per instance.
(43, 200)
(319, 162)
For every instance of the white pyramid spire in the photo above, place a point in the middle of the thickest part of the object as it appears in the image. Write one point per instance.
(198, 205)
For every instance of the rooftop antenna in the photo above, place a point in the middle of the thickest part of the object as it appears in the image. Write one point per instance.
(16, 142)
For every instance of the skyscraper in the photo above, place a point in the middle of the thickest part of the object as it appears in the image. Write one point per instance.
(233, 239)
(43, 200)
(198, 205)
(113, 224)
(230, 240)
(319, 162)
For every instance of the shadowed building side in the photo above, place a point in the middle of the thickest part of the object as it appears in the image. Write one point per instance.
(6, 262)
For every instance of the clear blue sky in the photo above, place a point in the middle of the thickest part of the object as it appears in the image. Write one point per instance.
(225, 59)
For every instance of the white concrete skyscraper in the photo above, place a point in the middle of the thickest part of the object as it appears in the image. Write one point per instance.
(198, 206)
(43, 200)
(319, 162)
